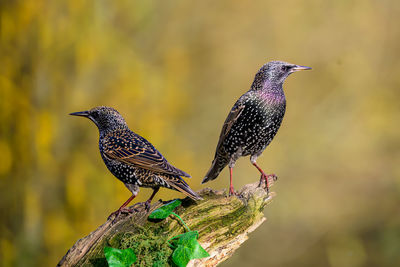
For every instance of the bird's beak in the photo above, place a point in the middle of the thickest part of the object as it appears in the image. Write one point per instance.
(80, 113)
(298, 67)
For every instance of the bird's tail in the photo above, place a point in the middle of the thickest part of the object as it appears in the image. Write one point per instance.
(181, 186)
(216, 167)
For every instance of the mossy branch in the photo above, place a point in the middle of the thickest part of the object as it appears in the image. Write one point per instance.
(222, 222)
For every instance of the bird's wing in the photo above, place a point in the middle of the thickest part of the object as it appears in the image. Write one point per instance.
(130, 148)
(230, 120)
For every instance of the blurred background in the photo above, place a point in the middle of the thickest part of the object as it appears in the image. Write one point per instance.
(174, 69)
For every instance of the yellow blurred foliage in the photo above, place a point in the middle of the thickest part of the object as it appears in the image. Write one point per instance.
(76, 187)
(33, 210)
(44, 138)
(58, 229)
(5, 158)
(7, 252)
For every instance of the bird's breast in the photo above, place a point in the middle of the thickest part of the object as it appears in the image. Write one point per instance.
(256, 126)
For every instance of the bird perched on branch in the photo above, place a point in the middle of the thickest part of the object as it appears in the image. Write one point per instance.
(253, 121)
(133, 159)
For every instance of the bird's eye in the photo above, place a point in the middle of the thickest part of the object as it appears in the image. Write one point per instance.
(284, 68)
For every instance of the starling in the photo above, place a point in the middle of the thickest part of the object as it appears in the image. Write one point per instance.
(133, 159)
(253, 121)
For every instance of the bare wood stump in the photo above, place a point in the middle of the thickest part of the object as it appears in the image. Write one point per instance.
(223, 224)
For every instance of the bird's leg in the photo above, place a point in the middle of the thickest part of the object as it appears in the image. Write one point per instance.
(122, 208)
(263, 175)
(231, 190)
(148, 202)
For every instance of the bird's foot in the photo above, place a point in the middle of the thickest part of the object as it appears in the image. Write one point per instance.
(118, 212)
(145, 204)
(266, 180)
(232, 192)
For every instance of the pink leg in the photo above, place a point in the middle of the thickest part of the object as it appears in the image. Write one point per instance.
(263, 176)
(148, 202)
(127, 202)
(231, 190)
(122, 208)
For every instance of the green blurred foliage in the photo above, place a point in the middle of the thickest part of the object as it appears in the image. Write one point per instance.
(174, 69)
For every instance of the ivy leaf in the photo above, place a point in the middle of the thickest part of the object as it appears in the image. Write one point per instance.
(183, 238)
(164, 211)
(187, 248)
(119, 257)
(181, 256)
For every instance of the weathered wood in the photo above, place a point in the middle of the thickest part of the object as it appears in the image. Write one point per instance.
(223, 224)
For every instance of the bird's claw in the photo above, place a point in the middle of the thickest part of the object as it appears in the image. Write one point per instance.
(232, 192)
(121, 211)
(146, 205)
(264, 180)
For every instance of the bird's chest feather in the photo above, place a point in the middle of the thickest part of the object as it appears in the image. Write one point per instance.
(256, 126)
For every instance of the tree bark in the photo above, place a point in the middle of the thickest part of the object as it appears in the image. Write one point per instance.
(223, 224)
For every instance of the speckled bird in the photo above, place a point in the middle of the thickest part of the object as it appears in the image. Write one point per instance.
(133, 159)
(253, 121)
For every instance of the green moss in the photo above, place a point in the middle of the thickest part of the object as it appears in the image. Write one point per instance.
(151, 248)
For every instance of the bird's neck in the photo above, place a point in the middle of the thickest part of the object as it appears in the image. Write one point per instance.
(267, 85)
(268, 90)
(107, 130)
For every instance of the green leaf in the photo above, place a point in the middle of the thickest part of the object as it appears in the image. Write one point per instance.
(181, 256)
(183, 238)
(164, 211)
(187, 248)
(119, 257)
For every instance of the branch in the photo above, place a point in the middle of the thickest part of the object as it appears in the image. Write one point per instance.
(222, 222)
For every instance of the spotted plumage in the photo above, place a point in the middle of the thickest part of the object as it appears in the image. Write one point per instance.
(133, 159)
(254, 120)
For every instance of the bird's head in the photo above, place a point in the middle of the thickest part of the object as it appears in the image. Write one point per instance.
(105, 118)
(275, 73)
